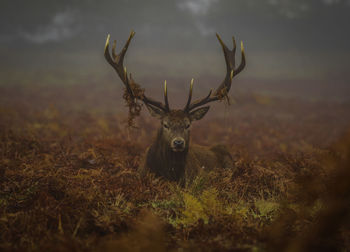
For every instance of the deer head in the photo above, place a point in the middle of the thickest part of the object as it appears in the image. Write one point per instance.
(175, 124)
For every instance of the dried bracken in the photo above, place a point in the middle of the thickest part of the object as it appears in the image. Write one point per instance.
(132, 102)
(69, 180)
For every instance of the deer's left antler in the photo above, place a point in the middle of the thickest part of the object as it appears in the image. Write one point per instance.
(225, 86)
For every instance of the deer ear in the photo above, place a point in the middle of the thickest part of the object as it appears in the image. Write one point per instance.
(155, 112)
(198, 113)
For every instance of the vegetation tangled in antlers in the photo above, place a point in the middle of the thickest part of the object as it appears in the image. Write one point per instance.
(133, 92)
(134, 106)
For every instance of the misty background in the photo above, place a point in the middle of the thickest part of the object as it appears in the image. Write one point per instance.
(296, 48)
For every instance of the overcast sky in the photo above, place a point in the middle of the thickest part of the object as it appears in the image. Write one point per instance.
(284, 39)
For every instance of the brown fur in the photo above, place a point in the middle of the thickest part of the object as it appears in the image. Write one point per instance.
(185, 165)
(170, 155)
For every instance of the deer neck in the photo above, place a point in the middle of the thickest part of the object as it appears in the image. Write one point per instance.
(172, 163)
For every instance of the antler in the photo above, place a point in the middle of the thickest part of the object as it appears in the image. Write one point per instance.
(133, 90)
(225, 86)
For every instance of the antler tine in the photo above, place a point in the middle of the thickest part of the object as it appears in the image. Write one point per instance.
(202, 101)
(225, 86)
(166, 97)
(189, 97)
(117, 62)
(242, 65)
(234, 44)
(113, 49)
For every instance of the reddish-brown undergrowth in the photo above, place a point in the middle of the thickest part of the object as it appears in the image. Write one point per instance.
(69, 181)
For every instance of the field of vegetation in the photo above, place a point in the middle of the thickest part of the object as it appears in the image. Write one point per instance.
(69, 180)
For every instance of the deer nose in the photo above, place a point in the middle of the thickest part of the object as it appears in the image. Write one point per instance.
(178, 142)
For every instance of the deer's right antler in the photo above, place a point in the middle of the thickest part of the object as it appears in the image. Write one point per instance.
(133, 90)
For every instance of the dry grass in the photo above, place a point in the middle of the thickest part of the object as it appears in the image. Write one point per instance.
(68, 179)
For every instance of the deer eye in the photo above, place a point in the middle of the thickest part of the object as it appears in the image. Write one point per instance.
(187, 126)
(166, 126)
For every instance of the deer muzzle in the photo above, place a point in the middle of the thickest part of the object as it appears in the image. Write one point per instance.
(178, 144)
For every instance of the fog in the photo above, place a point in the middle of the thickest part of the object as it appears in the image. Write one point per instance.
(295, 47)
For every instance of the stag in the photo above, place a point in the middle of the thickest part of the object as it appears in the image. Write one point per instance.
(171, 155)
